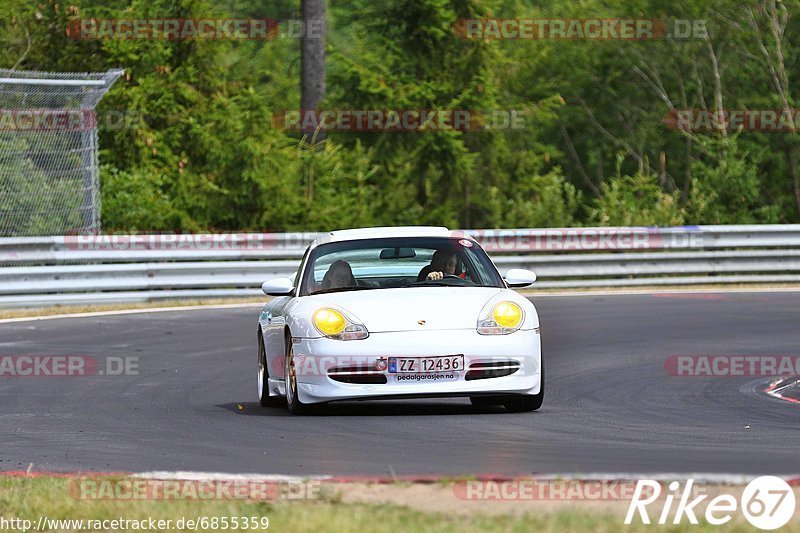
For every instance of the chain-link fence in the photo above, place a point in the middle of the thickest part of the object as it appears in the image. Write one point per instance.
(49, 183)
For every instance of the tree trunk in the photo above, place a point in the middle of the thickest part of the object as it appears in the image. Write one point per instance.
(466, 219)
(795, 177)
(312, 60)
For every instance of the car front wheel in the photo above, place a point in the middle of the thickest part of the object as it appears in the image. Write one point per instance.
(296, 407)
(520, 404)
(263, 377)
(486, 401)
(516, 403)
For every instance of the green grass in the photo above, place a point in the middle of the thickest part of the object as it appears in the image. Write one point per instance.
(33, 497)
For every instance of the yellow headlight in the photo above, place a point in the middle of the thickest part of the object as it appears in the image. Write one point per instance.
(507, 315)
(329, 321)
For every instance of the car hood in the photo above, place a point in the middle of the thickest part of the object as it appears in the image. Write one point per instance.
(441, 308)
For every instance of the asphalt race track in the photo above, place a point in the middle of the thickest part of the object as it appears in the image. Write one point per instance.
(610, 404)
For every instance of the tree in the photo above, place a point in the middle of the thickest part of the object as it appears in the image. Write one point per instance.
(312, 57)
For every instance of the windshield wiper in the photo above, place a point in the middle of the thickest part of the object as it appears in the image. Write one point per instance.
(341, 289)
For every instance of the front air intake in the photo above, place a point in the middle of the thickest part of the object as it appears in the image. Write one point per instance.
(492, 369)
(359, 375)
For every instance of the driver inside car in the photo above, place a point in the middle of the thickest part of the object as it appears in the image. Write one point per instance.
(338, 276)
(443, 263)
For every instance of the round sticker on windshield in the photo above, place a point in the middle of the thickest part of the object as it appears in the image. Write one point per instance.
(466, 243)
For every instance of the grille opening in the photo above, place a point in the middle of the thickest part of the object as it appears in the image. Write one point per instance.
(494, 364)
(358, 369)
(492, 369)
(360, 375)
(360, 379)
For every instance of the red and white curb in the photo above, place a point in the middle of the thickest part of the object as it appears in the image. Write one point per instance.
(778, 390)
(707, 478)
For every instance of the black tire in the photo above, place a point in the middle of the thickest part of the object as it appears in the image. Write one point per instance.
(523, 404)
(263, 377)
(486, 401)
(296, 407)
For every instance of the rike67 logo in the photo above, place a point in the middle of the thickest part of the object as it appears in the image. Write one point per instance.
(767, 502)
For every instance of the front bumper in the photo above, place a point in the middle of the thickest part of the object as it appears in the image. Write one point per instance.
(315, 359)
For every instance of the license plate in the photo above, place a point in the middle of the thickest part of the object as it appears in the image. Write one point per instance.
(407, 365)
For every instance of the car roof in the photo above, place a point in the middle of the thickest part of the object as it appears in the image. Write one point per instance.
(382, 232)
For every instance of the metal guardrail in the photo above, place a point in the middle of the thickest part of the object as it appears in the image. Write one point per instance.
(84, 269)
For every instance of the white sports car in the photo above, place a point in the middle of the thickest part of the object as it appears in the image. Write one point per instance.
(399, 313)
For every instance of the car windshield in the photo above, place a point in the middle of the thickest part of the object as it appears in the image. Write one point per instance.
(396, 263)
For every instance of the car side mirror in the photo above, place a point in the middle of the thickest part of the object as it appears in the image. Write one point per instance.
(278, 287)
(519, 277)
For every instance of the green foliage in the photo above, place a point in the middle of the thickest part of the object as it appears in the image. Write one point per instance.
(726, 189)
(636, 201)
(594, 149)
(136, 200)
(544, 201)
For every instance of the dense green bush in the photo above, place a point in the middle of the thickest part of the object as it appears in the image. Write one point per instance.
(594, 149)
